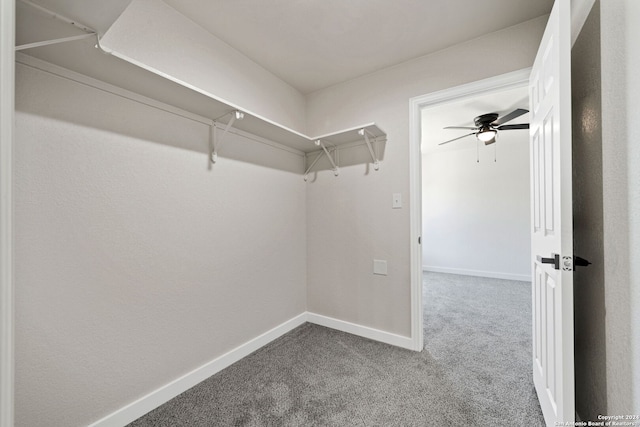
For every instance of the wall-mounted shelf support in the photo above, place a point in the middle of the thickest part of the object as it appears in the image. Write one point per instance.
(374, 155)
(331, 145)
(204, 105)
(324, 152)
(54, 41)
(89, 32)
(318, 142)
(215, 142)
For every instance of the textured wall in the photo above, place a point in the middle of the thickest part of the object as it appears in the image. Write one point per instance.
(134, 264)
(350, 220)
(590, 340)
(620, 55)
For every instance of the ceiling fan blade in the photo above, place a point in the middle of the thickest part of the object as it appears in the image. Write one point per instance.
(513, 127)
(460, 127)
(512, 115)
(454, 139)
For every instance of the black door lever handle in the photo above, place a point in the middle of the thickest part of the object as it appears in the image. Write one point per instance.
(580, 262)
(555, 260)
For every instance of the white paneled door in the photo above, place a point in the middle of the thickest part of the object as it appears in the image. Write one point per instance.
(551, 217)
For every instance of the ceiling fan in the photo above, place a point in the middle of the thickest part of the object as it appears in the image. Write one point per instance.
(487, 126)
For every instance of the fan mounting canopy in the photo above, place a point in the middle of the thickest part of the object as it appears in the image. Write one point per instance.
(485, 119)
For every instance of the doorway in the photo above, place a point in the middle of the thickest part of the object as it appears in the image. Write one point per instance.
(472, 205)
(505, 82)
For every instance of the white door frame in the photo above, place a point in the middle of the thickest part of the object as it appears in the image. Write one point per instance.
(7, 84)
(514, 79)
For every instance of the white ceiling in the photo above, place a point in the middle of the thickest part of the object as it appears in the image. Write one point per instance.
(461, 112)
(312, 44)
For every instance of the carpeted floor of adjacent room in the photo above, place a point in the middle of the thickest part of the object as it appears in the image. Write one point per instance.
(475, 370)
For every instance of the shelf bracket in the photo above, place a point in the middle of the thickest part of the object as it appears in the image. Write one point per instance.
(324, 152)
(212, 136)
(215, 142)
(89, 32)
(374, 155)
(319, 143)
(54, 41)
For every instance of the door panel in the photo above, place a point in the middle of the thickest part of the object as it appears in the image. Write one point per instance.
(551, 220)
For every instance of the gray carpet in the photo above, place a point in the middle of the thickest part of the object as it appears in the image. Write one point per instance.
(475, 370)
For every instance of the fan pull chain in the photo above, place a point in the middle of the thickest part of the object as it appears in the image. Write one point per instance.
(495, 152)
(477, 151)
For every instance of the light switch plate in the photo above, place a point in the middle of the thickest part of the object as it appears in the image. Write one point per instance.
(380, 267)
(397, 201)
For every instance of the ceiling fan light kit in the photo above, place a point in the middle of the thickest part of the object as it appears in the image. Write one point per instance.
(486, 135)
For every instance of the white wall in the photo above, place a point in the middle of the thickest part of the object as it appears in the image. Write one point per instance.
(155, 35)
(475, 216)
(620, 50)
(134, 264)
(349, 218)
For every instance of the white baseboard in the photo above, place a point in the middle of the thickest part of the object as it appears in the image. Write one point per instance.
(145, 404)
(478, 273)
(138, 408)
(362, 331)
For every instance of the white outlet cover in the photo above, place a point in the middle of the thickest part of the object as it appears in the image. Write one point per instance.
(380, 267)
